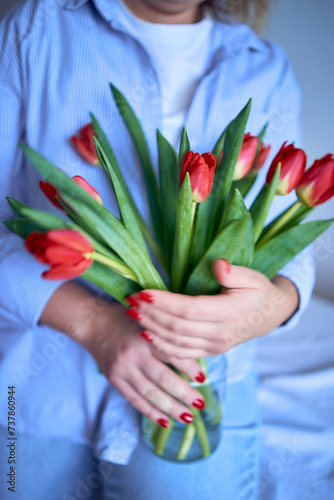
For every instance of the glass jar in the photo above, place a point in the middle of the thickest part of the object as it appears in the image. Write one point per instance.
(198, 440)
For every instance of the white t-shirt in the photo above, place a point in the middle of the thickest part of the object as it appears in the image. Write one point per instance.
(179, 76)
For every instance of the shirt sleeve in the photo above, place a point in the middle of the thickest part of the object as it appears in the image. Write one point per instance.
(23, 293)
(284, 111)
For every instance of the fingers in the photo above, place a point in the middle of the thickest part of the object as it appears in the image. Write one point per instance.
(167, 391)
(166, 325)
(154, 388)
(200, 308)
(181, 352)
(141, 404)
(189, 367)
(236, 276)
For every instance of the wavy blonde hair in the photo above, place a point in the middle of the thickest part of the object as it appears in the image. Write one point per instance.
(252, 12)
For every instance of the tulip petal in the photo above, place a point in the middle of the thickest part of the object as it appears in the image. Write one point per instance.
(293, 165)
(70, 239)
(199, 180)
(63, 272)
(209, 159)
(87, 133)
(36, 243)
(51, 193)
(261, 158)
(317, 183)
(184, 168)
(83, 148)
(56, 254)
(87, 187)
(326, 196)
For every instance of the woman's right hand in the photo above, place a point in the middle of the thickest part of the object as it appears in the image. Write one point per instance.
(138, 370)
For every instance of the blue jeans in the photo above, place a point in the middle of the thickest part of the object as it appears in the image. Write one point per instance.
(50, 469)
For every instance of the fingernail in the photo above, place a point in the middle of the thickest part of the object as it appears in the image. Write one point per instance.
(227, 266)
(200, 377)
(199, 404)
(134, 314)
(187, 418)
(163, 422)
(132, 301)
(146, 336)
(146, 297)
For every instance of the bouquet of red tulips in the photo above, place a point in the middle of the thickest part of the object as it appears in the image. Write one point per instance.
(198, 215)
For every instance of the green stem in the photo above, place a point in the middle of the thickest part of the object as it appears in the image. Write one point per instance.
(116, 266)
(187, 441)
(284, 219)
(212, 405)
(162, 438)
(202, 433)
(193, 211)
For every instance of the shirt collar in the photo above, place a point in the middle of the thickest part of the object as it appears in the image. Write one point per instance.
(229, 37)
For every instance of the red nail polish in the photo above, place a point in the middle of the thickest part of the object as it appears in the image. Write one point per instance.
(163, 422)
(199, 404)
(146, 336)
(200, 377)
(187, 418)
(146, 297)
(132, 301)
(134, 314)
(227, 266)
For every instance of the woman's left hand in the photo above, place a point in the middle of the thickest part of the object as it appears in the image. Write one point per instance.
(250, 305)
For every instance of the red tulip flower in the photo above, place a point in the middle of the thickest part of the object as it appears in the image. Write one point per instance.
(201, 169)
(87, 187)
(317, 184)
(293, 165)
(84, 144)
(261, 158)
(68, 252)
(246, 157)
(51, 192)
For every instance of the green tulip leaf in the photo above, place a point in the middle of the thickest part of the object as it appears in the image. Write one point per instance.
(224, 175)
(270, 258)
(201, 222)
(219, 144)
(22, 226)
(102, 138)
(48, 221)
(244, 185)
(183, 234)
(97, 215)
(16, 206)
(116, 237)
(138, 136)
(169, 188)
(261, 137)
(184, 148)
(262, 203)
(111, 282)
(234, 243)
(298, 215)
(128, 217)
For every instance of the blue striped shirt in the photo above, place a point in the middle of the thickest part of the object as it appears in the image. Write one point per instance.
(56, 59)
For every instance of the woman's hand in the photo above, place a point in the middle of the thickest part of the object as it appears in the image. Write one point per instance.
(135, 368)
(138, 371)
(249, 306)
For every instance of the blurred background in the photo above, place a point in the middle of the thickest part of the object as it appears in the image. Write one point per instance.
(304, 28)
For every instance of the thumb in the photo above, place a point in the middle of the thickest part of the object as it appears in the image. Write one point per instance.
(230, 276)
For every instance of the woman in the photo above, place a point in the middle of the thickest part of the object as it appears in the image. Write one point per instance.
(177, 65)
